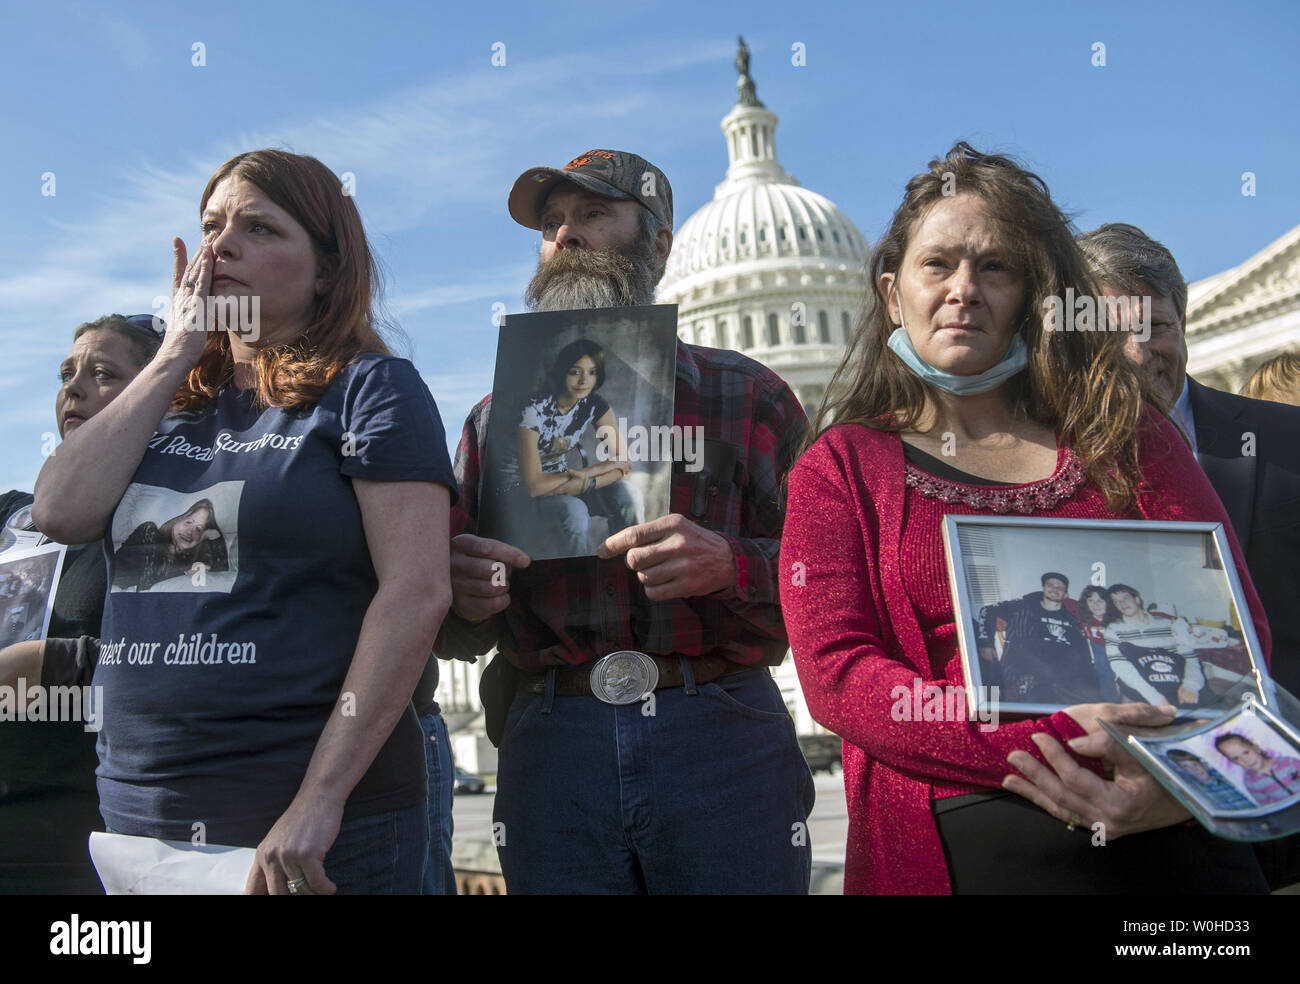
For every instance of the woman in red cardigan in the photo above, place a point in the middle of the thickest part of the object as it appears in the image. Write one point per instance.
(955, 398)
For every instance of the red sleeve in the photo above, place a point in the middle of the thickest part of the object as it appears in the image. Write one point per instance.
(852, 682)
(1175, 488)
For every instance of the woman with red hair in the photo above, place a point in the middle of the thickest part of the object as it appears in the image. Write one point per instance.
(269, 707)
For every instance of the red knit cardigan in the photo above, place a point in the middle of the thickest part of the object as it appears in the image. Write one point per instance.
(855, 635)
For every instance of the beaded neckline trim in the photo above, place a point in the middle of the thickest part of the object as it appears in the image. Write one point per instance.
(1044, 494)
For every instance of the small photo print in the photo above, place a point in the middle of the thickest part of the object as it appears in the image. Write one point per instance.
(1242, 765)
(164, 540)
(1061, 612)
(27, 585)
(1248, 753)
(580, 442)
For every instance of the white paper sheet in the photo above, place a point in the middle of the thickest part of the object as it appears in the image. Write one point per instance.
(130, 865)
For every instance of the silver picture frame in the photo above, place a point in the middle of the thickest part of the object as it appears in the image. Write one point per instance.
(1185, 583)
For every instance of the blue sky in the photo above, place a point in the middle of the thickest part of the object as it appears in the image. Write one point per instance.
(405, 96)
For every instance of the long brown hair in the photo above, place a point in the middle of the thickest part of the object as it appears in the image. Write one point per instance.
(164, 535)
(1078, 382)
(342, 322)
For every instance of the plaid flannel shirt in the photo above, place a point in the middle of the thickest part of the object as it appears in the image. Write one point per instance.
(575, 610)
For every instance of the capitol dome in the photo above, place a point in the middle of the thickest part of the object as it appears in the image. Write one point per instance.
(761, 225)
(767, 267)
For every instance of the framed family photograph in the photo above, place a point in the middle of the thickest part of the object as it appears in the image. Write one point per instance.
(1237, 773)
(27, 585)
(580, 441)
(1052, 613)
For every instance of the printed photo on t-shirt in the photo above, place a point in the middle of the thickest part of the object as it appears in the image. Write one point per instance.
(164, 540)
(27, 584)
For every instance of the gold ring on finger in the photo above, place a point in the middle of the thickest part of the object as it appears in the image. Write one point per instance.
(1076, 821)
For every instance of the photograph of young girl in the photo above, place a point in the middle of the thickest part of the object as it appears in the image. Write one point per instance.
(1244, 764)
(1268, 767)
(1237, 773)
(561, 473)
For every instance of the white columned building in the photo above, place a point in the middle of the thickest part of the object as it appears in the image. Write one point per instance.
(1242, 317)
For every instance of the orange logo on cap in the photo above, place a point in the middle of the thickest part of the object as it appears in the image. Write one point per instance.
(586, 158)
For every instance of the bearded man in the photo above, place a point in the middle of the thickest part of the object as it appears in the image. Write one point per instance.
(693, 781)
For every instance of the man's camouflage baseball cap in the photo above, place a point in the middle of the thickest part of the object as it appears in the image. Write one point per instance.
(611, 173)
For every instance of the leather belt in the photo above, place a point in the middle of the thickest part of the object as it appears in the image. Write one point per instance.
(627, 676)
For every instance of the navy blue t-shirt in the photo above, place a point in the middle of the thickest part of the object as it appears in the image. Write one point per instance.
(238, 577)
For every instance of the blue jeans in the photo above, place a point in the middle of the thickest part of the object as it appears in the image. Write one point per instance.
(1105, 675)
(381, 854)
(439, 879)
(704, 791)
(568, 517)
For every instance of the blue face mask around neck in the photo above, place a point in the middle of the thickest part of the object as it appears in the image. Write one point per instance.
(1016, 360)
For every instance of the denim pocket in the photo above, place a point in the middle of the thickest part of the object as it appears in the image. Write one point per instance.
(522, 711)
(361, 837)
(737, 691)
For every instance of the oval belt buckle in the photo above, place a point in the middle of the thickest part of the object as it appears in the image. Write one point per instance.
(624, 677)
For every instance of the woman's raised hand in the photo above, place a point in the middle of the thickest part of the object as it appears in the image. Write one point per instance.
(110, 446)
(191, 281)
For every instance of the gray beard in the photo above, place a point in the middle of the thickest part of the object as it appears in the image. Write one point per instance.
(575, 279)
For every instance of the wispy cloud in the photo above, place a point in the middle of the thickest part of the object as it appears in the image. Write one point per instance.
(124, 39)
(456, 394)
(499, 286)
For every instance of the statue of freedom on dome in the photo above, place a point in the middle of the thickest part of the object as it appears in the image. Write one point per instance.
(745, 85)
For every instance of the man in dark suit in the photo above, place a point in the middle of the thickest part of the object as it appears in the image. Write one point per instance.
(1260, 489)
(1249, 449)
